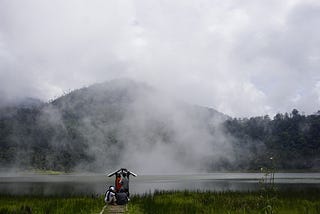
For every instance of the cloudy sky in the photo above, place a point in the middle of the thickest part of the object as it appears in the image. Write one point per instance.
(241, 57)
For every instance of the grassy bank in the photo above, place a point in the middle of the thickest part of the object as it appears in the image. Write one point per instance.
(55, 205)
(227, 202)
(287, 202)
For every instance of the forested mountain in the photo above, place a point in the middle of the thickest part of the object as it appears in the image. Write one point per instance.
(117, 123)
(291, 140)
(123, 123)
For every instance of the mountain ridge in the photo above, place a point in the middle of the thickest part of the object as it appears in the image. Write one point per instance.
(130, 124)
(76, 130)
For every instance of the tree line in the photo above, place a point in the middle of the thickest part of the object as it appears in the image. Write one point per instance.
(289, 141)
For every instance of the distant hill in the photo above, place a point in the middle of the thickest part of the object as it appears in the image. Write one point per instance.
(123, 123)
(106, 125)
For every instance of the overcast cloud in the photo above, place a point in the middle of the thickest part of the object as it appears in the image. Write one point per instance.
(243, 58)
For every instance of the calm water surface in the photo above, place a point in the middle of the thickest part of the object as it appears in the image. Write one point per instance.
(97, 183)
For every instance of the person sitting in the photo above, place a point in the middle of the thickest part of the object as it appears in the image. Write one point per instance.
(110, 196)
(117, 182)
(122, 197)
(125, 183)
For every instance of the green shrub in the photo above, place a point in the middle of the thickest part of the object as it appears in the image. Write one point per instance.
(226, 202)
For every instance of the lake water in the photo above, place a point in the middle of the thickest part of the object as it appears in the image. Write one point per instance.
(97, 183)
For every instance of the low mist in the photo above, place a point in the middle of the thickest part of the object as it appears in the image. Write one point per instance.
(155, 134)
(117, 124)
(129, 124)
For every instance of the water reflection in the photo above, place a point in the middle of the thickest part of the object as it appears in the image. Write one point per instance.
(97, 184)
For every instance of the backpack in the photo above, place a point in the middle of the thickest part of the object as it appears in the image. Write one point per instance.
(122, 198)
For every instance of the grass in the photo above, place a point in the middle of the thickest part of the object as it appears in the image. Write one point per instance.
(286, 202)
(52, 204)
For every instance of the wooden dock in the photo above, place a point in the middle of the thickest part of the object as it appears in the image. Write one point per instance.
(112, 209)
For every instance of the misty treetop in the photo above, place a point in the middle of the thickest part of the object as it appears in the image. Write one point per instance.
(292, 139)
(124, 122)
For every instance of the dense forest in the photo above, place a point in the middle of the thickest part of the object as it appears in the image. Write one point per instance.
(289, 141)
(84, 129)
(25, 143)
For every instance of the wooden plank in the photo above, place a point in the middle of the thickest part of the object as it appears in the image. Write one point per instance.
(114, 209)
(122, 170)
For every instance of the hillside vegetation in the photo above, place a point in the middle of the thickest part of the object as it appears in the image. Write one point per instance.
(289, 141)
(123, 122)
